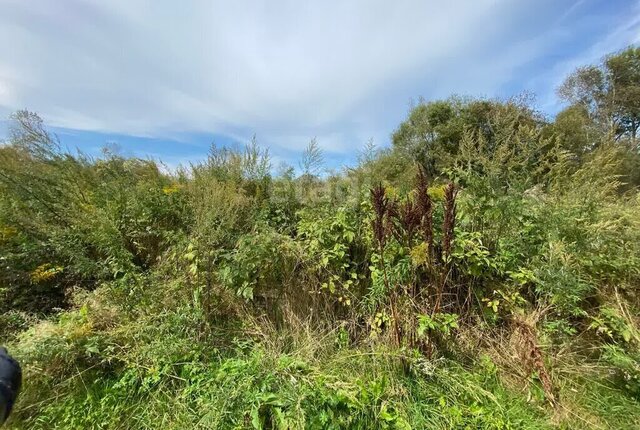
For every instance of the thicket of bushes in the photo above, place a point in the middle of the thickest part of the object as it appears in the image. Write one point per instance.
(481, 273)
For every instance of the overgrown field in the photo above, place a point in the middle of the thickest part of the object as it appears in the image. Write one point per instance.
(481, 273)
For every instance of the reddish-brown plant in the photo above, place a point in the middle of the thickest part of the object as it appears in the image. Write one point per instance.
(533, 359)
(425, 208)
(382, 207)
(380, 203)
(409, 218)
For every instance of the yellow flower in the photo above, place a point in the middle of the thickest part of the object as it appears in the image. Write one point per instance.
(171, 189)
(44, 272)
(6, 232)
(436, 192)
(420, 254)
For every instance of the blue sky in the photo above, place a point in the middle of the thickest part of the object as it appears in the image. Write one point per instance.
(164, 79)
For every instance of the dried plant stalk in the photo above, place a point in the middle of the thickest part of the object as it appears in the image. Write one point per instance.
(532, 357)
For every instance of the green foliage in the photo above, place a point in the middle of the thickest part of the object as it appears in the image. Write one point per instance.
(333, 240)
(224, 295)
(433, 132)
(260, 261)
(70, 221)
(440, 323)
(611, 325)
(626, 368)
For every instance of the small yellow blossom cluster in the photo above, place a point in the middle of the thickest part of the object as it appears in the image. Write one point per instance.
(171, 189)
(44, 272)
(7, 232)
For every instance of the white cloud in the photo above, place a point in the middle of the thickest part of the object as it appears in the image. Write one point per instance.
(339, 70)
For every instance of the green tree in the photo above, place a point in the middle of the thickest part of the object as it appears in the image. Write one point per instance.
(610, 93)
(311, 165)
(312, 159)
(575, 130)
(432, 133)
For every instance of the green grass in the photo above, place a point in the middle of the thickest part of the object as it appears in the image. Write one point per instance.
(303, 379)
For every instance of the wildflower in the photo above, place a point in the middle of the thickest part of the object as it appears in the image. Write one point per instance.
(171, 189)
(45, 272)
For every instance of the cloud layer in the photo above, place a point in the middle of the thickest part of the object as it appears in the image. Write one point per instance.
(287, 70)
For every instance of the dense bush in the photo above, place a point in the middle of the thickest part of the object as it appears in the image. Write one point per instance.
(482, 272)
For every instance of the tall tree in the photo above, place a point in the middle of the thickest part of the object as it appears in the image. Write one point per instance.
(432, 133)
(610, 93)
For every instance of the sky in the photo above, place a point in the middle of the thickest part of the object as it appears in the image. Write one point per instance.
(166, 79)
